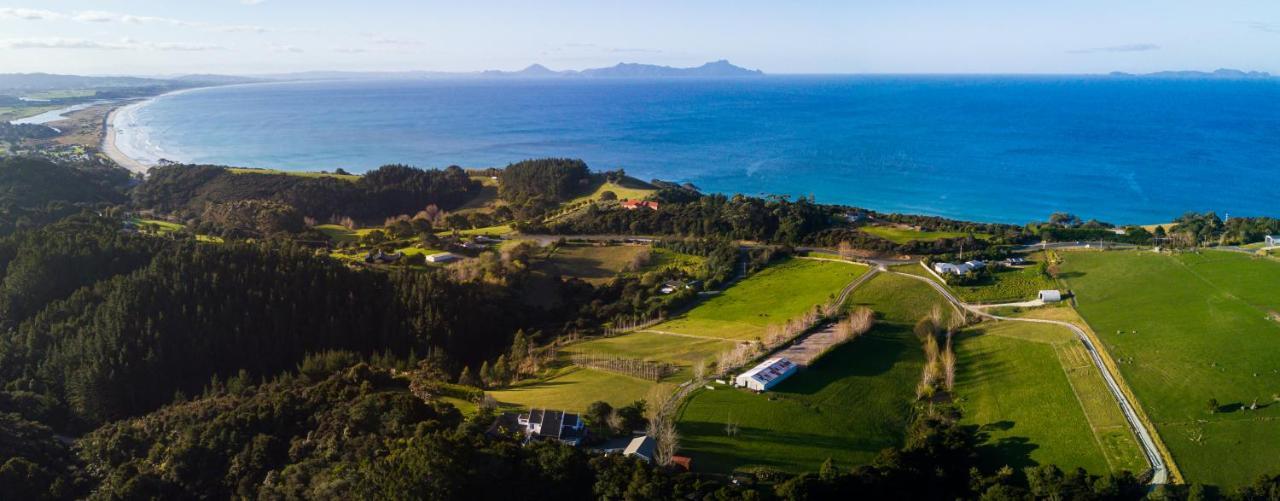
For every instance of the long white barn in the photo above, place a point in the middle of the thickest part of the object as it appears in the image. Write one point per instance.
(766, 375)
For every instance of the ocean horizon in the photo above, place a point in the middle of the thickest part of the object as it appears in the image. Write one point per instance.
(1007, 149)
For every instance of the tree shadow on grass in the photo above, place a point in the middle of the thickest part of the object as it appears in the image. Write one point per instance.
(715, 451)
(1014, 452)
(871, 355)
(1071, 274)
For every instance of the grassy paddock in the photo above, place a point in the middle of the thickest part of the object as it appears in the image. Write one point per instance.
(770, 297)
(848, 406)
(1188, 328)
(573, 388)
(594, 264)
(246, 170)
(1014, 284)
(630, 189)
(900, 235)
(1032, 389)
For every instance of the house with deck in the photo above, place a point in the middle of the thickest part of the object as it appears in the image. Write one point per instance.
(542, 424)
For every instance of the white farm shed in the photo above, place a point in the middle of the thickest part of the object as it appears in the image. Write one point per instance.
(766, 375)
(1050, 296)
(443, 257)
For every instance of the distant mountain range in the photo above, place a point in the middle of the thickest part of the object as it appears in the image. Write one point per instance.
(1222, 73)
(715, 69)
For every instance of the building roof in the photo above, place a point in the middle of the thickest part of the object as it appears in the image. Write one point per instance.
(642, 446)
(769, 370)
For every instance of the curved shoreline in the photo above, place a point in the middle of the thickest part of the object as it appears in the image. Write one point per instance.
(108, 144)
(109, 147)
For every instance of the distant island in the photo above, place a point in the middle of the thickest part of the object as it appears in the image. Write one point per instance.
(714, 69)
(1221, 73)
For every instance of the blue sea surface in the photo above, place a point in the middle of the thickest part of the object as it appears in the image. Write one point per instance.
(1006, 149)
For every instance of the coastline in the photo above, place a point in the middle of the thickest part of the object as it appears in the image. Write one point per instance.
(109, 147)
(108, 144)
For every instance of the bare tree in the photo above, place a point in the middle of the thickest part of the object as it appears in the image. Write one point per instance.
(663, 432)
(949, 364)
(845, 250)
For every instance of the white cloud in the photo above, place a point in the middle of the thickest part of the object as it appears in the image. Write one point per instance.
(287, 48)
(123, 44)
(58, 43)
(1136, 47)
(251, 2)
(29, 14)
(102, 16)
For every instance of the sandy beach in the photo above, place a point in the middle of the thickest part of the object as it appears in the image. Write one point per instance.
(109, 143)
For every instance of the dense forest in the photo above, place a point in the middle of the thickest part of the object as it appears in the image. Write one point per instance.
(34, 192)
(187, 192)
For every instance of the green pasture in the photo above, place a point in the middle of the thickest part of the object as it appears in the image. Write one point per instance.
(852, 403)
(1038, 399)
(245, 170)
(1185, 329)
(900, 235)
(770, 297)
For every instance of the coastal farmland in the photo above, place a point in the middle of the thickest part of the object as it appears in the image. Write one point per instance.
(576, 387)
(1190, 330)
(770, 297)
(1038, 398)
(904, 234)
(853, 402)
(1007, 285)
(596, 264)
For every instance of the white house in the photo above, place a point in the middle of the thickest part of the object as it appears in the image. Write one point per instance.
(1272, 240)
(1050, 296)
(958, 269)
(550, 424)
(641, 447)
(766, 375)
(443, 257)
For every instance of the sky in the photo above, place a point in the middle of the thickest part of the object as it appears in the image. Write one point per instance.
(155, 37)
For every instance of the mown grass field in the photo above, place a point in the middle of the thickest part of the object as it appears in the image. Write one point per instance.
(852, 403)
(902, 235)
(1036, 395)
(770, 297)
(341, 234)
(573, 388)
(594, 264)
(629, 189)
(1185, 329)
(683, 351)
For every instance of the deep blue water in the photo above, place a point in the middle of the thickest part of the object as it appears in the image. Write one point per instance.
(1009, 149)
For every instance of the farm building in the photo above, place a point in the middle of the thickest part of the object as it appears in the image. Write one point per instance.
(958, 269)
(1050, 296)
(443, 257)
(641, 447)
(379, 257)
(1272, 240)
(766, 375)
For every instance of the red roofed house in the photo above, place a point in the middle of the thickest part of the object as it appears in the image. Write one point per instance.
(636, 204)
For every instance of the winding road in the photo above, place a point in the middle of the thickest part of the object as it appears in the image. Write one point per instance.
(1159, 471)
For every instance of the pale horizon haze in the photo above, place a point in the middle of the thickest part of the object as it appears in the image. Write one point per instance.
(141, 37)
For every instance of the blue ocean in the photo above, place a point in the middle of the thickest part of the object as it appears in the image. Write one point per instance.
(1003, 149)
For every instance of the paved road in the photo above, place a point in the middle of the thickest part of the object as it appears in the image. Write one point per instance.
(1159, 472)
